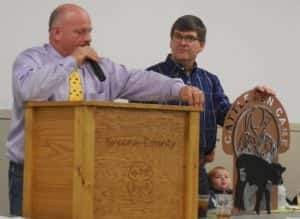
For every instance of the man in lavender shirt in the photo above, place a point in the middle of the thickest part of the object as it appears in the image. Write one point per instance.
(42, 74)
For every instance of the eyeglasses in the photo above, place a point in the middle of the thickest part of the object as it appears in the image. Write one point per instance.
(187, 38)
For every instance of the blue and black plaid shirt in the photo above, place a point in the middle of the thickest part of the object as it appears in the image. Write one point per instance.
(216, 102)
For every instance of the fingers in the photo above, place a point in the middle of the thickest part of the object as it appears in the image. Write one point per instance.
(197, 97)
(192, 95)
(92, 54)
(265, 89)
(81, 54)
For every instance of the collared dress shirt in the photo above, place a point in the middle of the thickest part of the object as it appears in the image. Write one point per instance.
(216, 102)
(42, 74)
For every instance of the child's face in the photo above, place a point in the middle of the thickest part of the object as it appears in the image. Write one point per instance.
(221, 180)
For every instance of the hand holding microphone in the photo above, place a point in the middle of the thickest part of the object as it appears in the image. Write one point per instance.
(87, 53)
(97, 69)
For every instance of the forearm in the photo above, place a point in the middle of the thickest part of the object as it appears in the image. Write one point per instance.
(151, 86)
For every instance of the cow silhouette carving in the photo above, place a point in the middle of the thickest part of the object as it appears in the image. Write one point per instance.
(254, 170)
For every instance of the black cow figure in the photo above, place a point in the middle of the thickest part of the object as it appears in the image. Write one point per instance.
(255, 170)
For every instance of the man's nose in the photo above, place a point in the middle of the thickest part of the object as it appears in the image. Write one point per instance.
(183, 41)
(87, 37)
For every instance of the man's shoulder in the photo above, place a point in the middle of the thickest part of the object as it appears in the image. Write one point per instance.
(157, 67)
(33, 51)
(204, 71)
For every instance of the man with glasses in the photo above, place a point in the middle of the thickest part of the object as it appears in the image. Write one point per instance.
(187, 41)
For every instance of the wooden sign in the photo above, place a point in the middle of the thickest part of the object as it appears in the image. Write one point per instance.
(256, 124)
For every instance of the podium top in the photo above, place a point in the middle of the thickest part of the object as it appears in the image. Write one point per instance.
(33, 104)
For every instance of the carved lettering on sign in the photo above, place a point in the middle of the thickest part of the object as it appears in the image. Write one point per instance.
(256, 124)
(162, 143)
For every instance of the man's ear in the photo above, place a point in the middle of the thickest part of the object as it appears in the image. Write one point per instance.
(201, 47)
(56, 33)
(202, 44)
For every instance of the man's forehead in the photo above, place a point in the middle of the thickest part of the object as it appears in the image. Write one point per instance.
(188, 32)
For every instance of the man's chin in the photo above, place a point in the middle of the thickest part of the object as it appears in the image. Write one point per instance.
(181, 59)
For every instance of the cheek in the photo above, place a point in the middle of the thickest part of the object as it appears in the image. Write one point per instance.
(217, 182)
(71, 37)
(196, 50)
(74, 38)
(172, 45)
(229, 182)
(67, 39)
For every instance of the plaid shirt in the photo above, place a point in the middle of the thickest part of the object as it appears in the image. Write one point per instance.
(216, 102)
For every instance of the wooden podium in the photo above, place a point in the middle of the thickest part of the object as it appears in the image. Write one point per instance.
(104, 160)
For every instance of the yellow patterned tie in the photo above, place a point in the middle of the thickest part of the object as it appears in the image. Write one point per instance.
(75, 88)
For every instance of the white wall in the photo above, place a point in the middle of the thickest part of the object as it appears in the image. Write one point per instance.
(249, 42)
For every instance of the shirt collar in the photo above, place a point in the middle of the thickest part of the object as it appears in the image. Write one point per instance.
(170, 62)
(55, 54)
(53, 51)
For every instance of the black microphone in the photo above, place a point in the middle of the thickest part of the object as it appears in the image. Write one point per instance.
(97, 70)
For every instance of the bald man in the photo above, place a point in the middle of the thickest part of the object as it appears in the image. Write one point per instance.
(42, 74)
